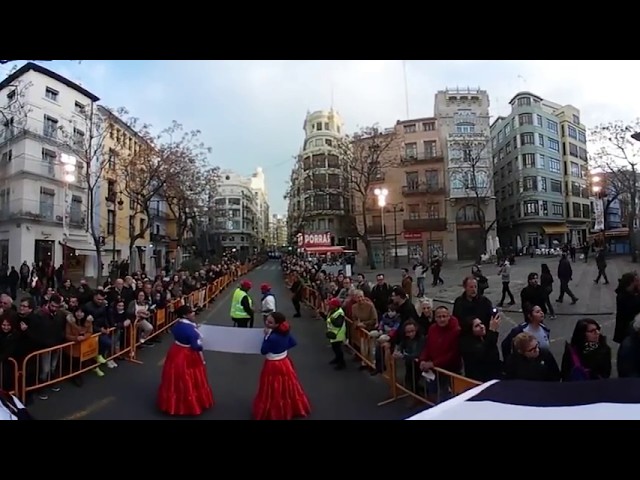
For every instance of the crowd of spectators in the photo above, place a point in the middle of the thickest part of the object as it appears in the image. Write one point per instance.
(53, 315)
(464, 339)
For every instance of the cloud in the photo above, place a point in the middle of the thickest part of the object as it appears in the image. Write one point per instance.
(252, 112)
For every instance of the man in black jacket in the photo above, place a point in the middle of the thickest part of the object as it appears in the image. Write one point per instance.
(565, 275)
(471, 304)
(381, 295)
(533, 295)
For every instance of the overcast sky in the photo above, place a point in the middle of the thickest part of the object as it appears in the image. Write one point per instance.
(251, 112)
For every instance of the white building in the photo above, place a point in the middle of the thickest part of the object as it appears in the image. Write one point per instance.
(278, 236)
(236, 213)
(464, 123)
(259, 187)
(43, 112)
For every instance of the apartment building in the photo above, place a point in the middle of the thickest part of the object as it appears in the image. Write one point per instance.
(116, 212)
(319, 199)
(43, 214)
(540, 173)
(236, 213)
(413, 223)
(462, 116)
(258, 185)
(278, 236)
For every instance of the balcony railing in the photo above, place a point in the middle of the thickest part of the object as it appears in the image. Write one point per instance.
(431, 156)
(423, 189)
(425, 225)
(32, 210)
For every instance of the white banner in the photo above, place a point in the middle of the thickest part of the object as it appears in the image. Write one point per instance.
(598, 213)
(232, 339)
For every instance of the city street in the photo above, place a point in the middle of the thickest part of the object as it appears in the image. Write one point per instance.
(129, 392)
(596, 301)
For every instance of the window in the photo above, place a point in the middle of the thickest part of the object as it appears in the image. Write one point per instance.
(432, 179)
(552, 126)
(414, 211)
(429, 126)
(524, 101)
(545, 208)
(586, 210)
(50, 127)
(79, 108)
(410, 128)
(333, 161)
(500, 136)
(433, 210)
(319, 126)
(530, 208)
(575, 170)
(51, 94)
(411, 150)
(78, 138)
(507, 129)
(554, 165)
(582, 137)
(556, 186)
(576, 209)
(429, 148)
(582, 154)
(465, 127)
(530, 184)
(326, 126)
(573, 133)
(538, 120)
(573, 150)
(557, 209)
(111, 159)
(526, 139)
(143, 224)
(543, 184)
(7, 156)
(75, 210)
(541, 140)
(525, 119)
(11, 96)
(412, 180)
(575, 189)
(576, 119)
(528, 160)
(328, 142)
(318, 142)
(508, 148)
(47, 197)
(541, 160)
(111, 190)
(554, 145)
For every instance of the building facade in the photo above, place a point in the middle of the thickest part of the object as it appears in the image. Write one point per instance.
(278, 235)
(318, 198)
(43, 215)
(540, 174)
(463, 122)
(258, 185)
(413, 223)
(236, 213)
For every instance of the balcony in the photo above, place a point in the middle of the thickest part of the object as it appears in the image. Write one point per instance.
(31, 210)
(159, 237)
(425, 225)
(422, 189)
(431, 156)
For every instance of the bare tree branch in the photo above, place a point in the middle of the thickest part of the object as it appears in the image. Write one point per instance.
(616, 153)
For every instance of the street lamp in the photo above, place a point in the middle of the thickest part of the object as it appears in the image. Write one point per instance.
(397, 207)
(382, 194)
(119, 205)
(69, 169)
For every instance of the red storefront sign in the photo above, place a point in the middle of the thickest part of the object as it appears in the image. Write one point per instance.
(314, 240)
(412, 235)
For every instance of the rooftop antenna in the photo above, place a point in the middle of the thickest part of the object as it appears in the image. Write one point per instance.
(406, 88)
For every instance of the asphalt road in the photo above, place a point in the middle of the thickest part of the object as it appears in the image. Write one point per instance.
(129, 391)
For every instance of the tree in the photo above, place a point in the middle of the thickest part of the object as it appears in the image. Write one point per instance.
(189, 195)
(85, 140)
(365, 156)
(145, 171)
(470, 161)
(14, 113)
(617, 153)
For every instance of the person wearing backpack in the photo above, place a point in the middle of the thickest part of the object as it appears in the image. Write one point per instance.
(587, 356)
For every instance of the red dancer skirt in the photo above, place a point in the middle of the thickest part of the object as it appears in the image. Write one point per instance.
(280, 395)
(184, 389)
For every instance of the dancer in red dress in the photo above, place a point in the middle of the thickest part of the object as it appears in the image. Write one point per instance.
(280, 395)
(185, 389)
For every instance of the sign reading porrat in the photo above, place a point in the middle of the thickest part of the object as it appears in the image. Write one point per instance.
(314, 239)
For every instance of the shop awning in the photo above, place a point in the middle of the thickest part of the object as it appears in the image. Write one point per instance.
(80, 247)
(320, 250)
(555, 229)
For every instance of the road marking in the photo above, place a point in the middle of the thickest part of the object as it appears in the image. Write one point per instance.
(99, 405)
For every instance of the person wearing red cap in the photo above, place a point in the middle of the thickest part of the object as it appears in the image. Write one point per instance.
(184, 389)
(268, 301)
(280, 395)
(241, 312)
(337, 332)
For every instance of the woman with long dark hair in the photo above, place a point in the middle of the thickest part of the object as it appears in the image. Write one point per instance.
(280, 395)
(587, 356)
(546, 282)
(185, 389)
(479, 349)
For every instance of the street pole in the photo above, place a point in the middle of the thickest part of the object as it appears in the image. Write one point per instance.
(69, 168)
(384, 239)
(396, 260)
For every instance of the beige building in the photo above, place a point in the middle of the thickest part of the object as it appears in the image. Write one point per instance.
(413, 223)
(278, 236)
(464, 131)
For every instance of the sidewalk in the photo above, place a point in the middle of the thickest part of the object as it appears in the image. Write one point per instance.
(594, 300)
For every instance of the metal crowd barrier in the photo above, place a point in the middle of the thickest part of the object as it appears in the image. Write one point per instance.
(402, 375)
(47, 367)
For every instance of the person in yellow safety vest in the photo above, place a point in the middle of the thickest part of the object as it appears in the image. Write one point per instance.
(337, 332)
(242, 306)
